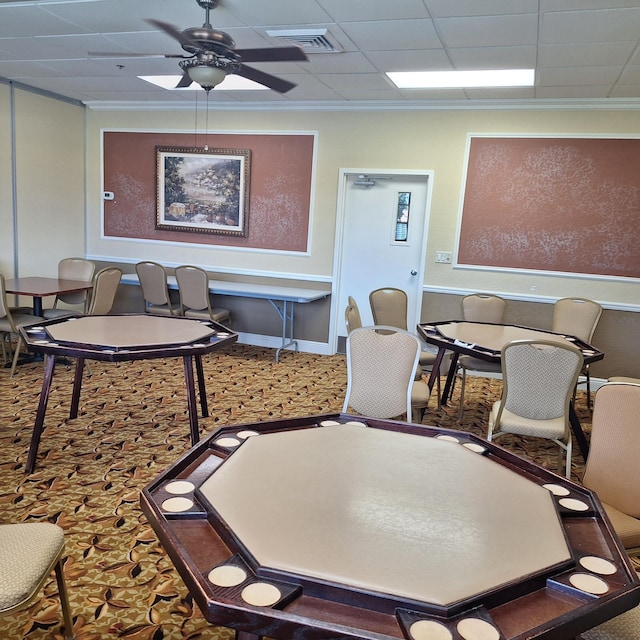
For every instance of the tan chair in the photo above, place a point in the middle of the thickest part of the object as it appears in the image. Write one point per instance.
(72, 269)
(389, 306)
(29, 552)
(626, 626)
(577, 317)
(539, 377)
(479, 307)
(195, 302)
(10, 323)
(612, 469)
(155, 291)
(381, 363)
(103, 294)
(352, 315)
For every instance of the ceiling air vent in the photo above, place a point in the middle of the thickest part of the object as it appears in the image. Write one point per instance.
(310, 40)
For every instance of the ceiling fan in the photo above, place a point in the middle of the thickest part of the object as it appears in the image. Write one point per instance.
(213, 56)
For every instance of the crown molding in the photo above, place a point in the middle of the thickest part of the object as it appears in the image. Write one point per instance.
(594, 104)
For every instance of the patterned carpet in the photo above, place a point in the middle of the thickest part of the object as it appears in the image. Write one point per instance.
(132, 424)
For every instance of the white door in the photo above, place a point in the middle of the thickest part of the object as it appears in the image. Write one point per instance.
(381, 239)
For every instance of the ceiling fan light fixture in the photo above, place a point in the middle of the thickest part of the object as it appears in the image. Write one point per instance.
(207, 77)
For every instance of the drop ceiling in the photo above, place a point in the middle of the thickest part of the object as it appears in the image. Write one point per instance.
(584, 52)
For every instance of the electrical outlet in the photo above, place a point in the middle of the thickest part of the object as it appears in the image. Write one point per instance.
(443, 257)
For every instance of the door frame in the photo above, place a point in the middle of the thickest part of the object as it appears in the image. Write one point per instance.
(337, 314)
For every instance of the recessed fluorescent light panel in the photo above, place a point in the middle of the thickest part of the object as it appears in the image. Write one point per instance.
(462, 79)
(230, 83)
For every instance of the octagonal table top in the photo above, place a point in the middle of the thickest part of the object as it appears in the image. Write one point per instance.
(420, 518)
(343, 526)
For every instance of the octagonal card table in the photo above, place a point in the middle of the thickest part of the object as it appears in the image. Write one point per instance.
(339, 526)
(118, 339)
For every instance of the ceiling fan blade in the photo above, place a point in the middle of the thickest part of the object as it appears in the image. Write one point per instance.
(185, 81)
(272, 54)
(174, 33)
(266, 79)
(113, 54)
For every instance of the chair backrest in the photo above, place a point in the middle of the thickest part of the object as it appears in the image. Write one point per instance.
(539, 377)
(389, 307)
(193, 285)
(75, 269)
(352, 315)
(576, 317)
(105, 286)
(4, 305)
(153, 281)
(381, 361)
(483, 307)
(612, 469)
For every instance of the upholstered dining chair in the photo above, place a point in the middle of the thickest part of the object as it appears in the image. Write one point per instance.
(103, 294)
(72, 269)
(626, 626)
(539, 377)
(352, 317)
(193, 285)
(479, 307)
(389, 306)
(10, 323)
(612, 468)
(29, 552)
(155, 291)
(381, 363)
(577, 317)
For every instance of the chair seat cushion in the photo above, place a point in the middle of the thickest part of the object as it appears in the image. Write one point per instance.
(476, 364)
(19, 320)
(28, 552)
(50, 314)
(419, 395)
(513, 423)
(627, 527)
(626, 626)
(159, 310)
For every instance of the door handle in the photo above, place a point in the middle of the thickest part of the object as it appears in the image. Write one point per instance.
(414, 272)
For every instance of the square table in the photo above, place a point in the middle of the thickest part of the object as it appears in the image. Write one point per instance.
(39, 287)
(118, 339)
(485, 341)
(339, 526)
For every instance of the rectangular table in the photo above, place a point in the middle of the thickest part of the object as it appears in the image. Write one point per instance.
(39, 287)
(485, 341)
(282, 299)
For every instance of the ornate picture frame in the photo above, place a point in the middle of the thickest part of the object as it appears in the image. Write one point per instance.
(201, 190)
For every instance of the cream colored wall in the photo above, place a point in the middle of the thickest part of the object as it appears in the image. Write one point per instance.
(433, 140)
(49, 182)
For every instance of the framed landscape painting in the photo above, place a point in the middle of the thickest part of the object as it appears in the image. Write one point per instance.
(203, 190)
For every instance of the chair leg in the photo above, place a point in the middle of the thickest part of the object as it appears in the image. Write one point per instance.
(16, 355)
(586, 373)
(64, 601)
(462, 386)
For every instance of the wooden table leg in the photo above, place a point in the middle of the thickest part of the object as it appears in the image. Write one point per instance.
(448, 387)
(201, 387)
(191, 399)
(77, 385)
(576, 427)
(49, 367)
